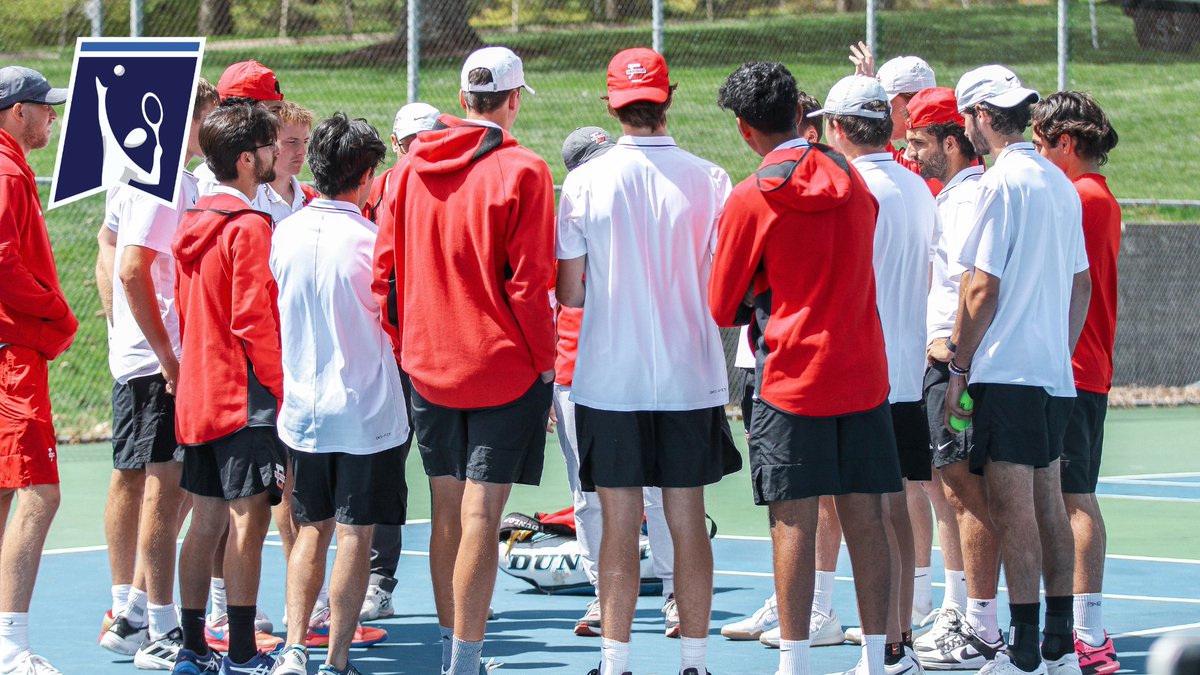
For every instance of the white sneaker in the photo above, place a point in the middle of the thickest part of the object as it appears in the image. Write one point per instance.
(262, 622)
(823, 631)
(589, 625)
(753, 626)
(122, 638)
(160, 654)
(1002, 665)
(854, 634)
(377, 604)
(905, 666)
(959, 648)
(292, 661)
(32, 664)
(924, 624)
(1067, 665)
(944, 621)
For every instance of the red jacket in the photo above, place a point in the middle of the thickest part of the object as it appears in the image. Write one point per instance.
(473, 242)
(378, 210)
(231, 374)
(33, 309)
(801, 231)
(1093, 357)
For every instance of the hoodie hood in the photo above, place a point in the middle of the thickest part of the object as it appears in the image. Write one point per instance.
(12, 151)
(454, 144)
(202, 224)
(812, 178)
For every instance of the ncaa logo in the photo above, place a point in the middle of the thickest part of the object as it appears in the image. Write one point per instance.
(635, 72)
(127, 117)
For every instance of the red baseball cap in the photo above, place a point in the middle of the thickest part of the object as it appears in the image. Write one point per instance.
(637, 74)
(935, 105)
(250, 79)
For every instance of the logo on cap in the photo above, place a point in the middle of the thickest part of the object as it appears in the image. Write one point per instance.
(128, 117)
(598, 137)
(635, 72)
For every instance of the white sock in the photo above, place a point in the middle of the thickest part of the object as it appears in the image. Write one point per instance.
(447, 635)
(981, 615)
(691, 653)
(163, 620)
(922, 591)
(14, 638)
(1089, 619)
(823, 593)
(956, 591)
(120, 598)
(466, 657)
(614, 657)
(322, 596)
(216, 590)
(793, 657)
(872, 653)
(135, 612)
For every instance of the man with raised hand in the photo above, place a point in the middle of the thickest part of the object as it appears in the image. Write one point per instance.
(641, 222)
(143, 355)
(581, 146)
(965, 633)
(821, 424)
(36, 325)
(1071, 130)
(346, 449)
(474, 239)
(857, 122)
(1023, 304)
(230, 385)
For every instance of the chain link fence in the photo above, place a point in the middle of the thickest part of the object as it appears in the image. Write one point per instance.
(352, 56)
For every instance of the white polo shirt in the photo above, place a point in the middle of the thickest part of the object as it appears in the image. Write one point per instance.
(208, 183)
(341, 386)
(906, 226)
(139, 220)
(279, 207)
(1028, 231)
(956, 213)
(645, 215)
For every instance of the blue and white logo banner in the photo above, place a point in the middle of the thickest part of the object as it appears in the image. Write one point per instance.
(127, 117)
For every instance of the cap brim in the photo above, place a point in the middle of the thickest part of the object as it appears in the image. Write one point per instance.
(1014, 97)
(817, 113)
(55, 96)
(622, 98)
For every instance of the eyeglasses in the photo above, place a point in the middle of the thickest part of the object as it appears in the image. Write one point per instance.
(268, 145)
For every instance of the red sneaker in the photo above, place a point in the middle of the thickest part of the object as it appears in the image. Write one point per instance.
(105, 624)
(1100, 660)
(216, 634)
(364, 636)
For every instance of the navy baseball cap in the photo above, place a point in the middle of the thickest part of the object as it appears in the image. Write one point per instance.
(25, 85)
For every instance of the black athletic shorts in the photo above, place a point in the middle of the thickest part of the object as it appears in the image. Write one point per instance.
(748, 399)
(352, 489)
(248, 462)
(797, 457)
(1017, 423)
(143, 423)
(1083, 443)
(946, 446)
(911, 428)
(666, 449)
(502, 444)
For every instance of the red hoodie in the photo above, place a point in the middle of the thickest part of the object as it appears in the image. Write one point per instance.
(231, 373)
(474, 254)
(33, 309)
(378, 210)
(805, 222)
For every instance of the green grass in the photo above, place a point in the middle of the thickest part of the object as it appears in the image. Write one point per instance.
(1150, 96)
(1136, 442)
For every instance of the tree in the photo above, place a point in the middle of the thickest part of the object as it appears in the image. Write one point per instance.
(215, 17)
(445, 29)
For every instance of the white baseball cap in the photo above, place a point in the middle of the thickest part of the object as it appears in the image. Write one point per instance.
(996, 85)
(505, 66)
(905, 75)
(851, 95)
(414, 118)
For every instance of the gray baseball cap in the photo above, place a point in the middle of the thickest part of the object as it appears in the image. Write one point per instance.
(851, 95)
(583, 144)
(25, 85)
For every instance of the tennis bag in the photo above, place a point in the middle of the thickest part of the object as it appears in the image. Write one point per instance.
(542, 550)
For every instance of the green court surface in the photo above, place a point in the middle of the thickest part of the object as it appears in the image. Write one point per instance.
(1150, 490)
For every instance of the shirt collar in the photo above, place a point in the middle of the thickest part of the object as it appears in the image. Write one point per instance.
(874, 157)
(226, 190)
(322, 204)
(483, 123)
(647, 141)
(794, 143)
(298, 192)
(1024, 146)
(973, 170)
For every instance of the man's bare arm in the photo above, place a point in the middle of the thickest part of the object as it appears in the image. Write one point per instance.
(1081, 296)
(105, 259)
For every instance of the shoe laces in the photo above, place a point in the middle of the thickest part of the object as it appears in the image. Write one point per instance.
(490, 665)
(769, 608)
(594, 605)
(41, 666)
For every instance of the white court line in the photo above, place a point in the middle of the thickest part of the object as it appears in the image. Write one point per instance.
(1158, 631)
(1135, 476)
(1149, 483)
(76, 549)
(1143, 498)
